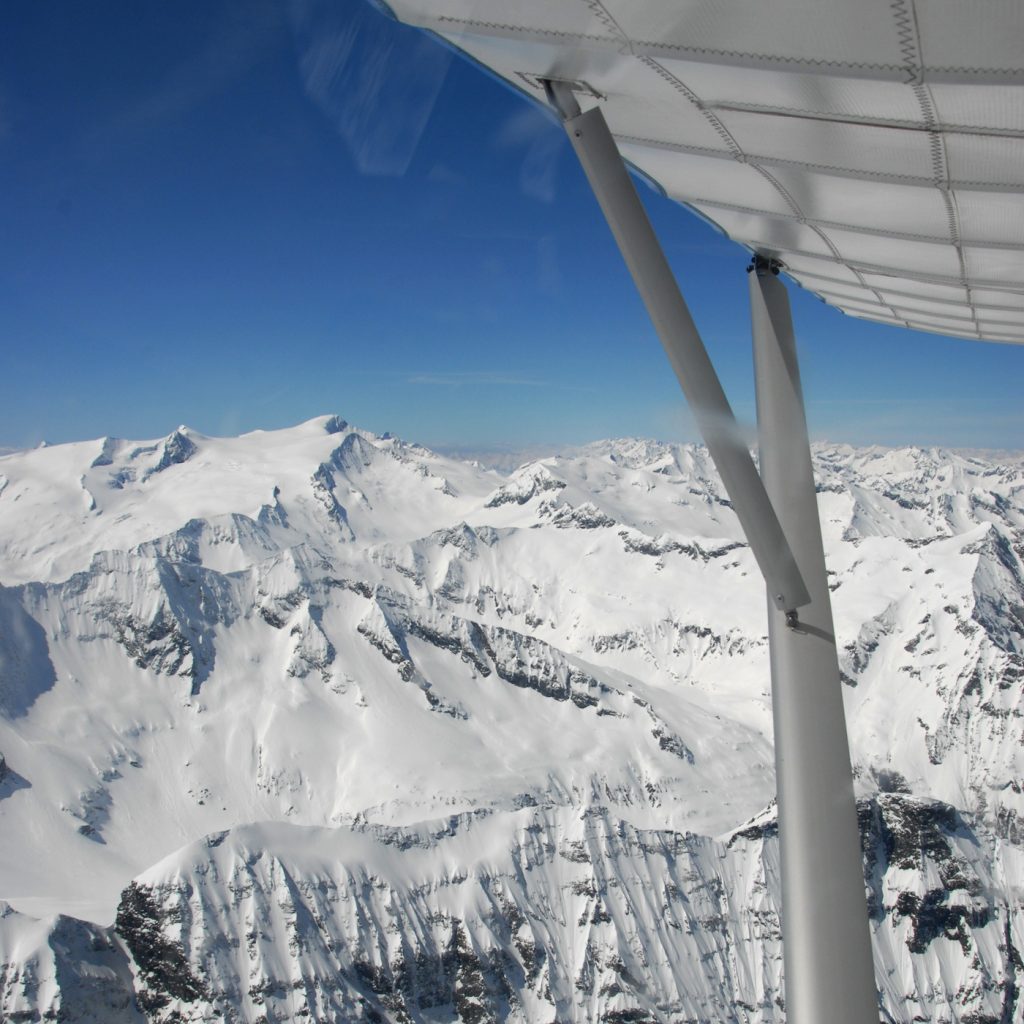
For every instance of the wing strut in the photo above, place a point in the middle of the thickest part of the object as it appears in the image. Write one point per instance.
(653, 277)
(829, 973)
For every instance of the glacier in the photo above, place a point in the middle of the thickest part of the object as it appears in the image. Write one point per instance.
(316, 724)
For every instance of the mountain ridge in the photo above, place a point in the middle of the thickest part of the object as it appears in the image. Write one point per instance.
(208, 643)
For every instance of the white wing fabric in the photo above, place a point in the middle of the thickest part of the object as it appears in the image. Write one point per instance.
(874, 147)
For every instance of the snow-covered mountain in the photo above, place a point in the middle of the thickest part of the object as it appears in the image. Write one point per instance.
(321, 725)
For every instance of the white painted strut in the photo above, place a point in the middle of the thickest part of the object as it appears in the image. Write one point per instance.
(627, 218)
(829, 974)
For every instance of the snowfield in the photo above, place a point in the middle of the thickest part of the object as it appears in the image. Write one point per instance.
(319, 725)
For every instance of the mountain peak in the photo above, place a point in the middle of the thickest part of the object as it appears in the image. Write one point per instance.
(480, 747)
(333, 424)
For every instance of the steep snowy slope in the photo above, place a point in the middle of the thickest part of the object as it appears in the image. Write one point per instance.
(383, 735)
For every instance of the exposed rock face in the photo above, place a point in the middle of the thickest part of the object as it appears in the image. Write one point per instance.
(175, 450)
(368, 923)
(482, 945)
(164, 974)
(322, 726)
(63, 970)
(525, 484)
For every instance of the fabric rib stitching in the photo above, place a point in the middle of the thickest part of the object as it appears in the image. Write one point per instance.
(737, 152)
(908, 32)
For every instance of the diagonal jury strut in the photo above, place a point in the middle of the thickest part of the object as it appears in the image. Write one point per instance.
(603, 165)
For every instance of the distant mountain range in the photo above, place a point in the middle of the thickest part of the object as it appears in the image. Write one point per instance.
(316, 725)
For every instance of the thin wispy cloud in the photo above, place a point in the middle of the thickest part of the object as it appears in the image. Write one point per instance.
(543, 144)
(380, 105)
(475, 379)
(445, 175)
(942, 402)
(491, 378)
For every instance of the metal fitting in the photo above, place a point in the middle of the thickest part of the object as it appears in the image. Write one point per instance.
(762, 265)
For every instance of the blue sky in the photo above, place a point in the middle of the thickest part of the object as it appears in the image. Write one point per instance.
(239, 215)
